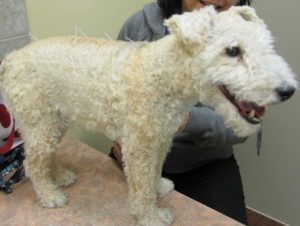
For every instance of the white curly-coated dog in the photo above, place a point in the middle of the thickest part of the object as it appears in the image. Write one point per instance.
(141, 92)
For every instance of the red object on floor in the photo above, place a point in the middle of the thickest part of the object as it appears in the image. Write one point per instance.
(5, 120)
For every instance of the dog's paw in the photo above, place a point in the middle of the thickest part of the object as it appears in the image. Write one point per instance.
(160, 217)
(165, 216)
(64, 178)
(54, 199)
(164, 187)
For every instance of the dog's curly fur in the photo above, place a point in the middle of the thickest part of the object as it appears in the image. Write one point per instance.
(139, 92)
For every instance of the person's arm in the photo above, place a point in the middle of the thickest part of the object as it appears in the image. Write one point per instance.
(207, 128)
(127, 31)
(130, 29)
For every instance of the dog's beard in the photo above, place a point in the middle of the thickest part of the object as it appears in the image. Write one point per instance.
(250, 111)
(230, 114)
(234, 120)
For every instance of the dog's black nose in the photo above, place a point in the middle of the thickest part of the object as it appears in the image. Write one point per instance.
(285, 92)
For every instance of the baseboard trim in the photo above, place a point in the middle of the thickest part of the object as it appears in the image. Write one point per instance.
(256, 218)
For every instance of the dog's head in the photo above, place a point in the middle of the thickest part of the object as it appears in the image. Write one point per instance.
(233, 64)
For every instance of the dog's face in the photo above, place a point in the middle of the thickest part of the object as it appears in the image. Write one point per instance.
(234, 65)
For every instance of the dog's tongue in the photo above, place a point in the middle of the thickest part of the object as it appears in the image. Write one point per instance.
(259, 111)
(248, 107)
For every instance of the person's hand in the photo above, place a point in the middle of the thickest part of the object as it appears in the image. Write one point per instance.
(185, 123)
(117, 150)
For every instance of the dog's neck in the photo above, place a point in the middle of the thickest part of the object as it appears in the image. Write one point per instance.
(169, 59)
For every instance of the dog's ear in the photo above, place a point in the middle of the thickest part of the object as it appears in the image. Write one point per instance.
(246, 12)
(192, 28)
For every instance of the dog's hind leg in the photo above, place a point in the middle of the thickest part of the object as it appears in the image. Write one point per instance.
(61, 175)
(28, 96)
(140, 155)
(41, 140)
(42, 131)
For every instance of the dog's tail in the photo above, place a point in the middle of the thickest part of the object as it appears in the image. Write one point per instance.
(2, 69)
(4, 65)
(2, 72)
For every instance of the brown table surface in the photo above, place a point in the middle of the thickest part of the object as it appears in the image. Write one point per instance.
(97, 198)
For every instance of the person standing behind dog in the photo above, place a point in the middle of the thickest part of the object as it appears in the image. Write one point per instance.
(201, 162)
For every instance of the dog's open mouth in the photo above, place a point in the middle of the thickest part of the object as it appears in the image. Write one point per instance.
(249, 111)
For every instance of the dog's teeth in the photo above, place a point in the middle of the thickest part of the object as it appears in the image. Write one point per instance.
(252, 114)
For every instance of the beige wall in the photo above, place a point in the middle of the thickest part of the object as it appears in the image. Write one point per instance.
(272, 180)
(94, 18)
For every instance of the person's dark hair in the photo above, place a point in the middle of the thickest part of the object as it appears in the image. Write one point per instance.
(244, 2)
(170, 7)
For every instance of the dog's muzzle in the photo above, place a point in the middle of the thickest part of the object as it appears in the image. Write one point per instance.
(285, 92)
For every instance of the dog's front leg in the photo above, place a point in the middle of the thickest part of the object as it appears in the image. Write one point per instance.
(141, 158)
(164, 185)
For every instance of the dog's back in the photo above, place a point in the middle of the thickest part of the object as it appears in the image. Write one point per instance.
(71, 75)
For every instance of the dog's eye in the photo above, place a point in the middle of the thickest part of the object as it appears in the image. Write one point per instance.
(233, 51)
